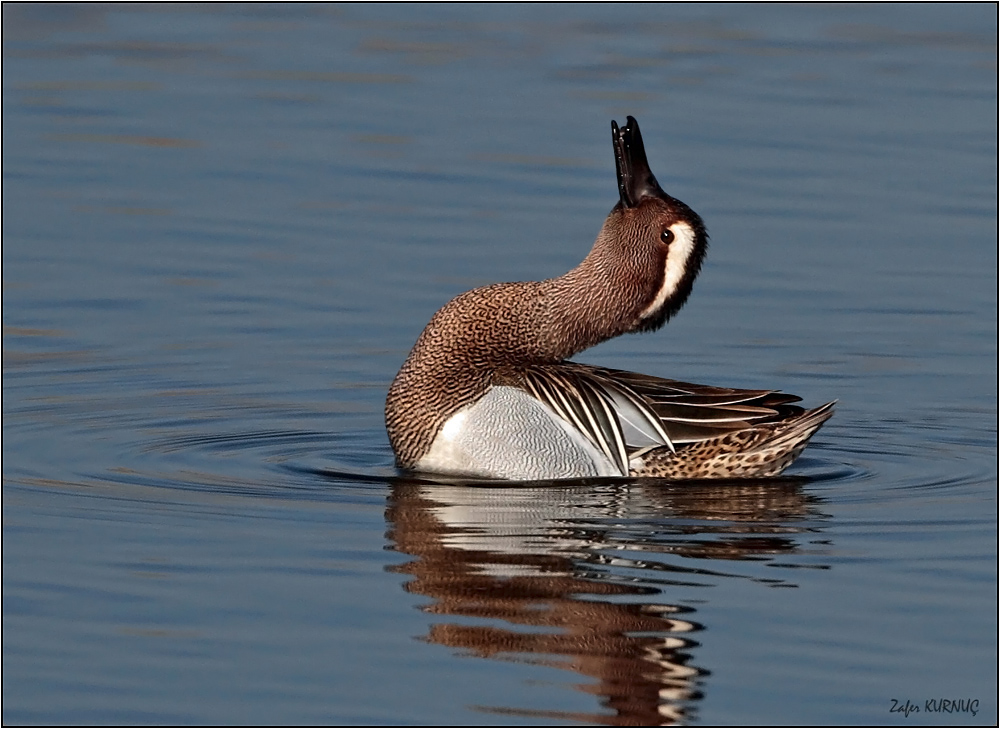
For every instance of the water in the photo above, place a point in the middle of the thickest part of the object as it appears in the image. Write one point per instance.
(224, 227)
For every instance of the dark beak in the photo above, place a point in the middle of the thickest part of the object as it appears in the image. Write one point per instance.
(635, 180)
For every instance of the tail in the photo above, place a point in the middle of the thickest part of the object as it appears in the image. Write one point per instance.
(779, 451)
(797, 430)
(759, 452)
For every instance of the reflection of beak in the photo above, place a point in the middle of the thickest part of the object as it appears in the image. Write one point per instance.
(635, 180)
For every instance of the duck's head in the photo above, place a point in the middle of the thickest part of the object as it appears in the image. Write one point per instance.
(657, 242)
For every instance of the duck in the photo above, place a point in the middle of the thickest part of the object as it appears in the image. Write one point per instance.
(489, 390)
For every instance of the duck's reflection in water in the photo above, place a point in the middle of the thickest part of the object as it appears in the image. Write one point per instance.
(578, 576)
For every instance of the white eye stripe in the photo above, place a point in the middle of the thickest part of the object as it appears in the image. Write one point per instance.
(678, 256)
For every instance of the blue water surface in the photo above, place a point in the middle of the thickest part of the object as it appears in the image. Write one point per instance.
(224, 226)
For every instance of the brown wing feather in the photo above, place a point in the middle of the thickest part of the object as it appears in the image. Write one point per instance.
(685, 412)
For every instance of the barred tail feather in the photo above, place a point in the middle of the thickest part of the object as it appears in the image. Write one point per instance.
(757, 453)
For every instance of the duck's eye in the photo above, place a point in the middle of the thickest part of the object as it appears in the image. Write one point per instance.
(667, 236)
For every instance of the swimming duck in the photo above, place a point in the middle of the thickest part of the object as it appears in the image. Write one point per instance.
(488, 390)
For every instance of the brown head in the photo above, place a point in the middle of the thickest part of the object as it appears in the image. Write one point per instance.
(654, 242)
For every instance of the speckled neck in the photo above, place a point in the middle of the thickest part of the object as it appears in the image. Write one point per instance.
(483, 336)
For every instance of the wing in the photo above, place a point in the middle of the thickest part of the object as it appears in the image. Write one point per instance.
(583, 402)
(625, 412)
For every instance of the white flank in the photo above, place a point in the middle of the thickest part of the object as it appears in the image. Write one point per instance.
(677, 261)
(509, 434)
(453, 427)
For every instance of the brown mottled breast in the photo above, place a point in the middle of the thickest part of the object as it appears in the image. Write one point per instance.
(467, 343)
